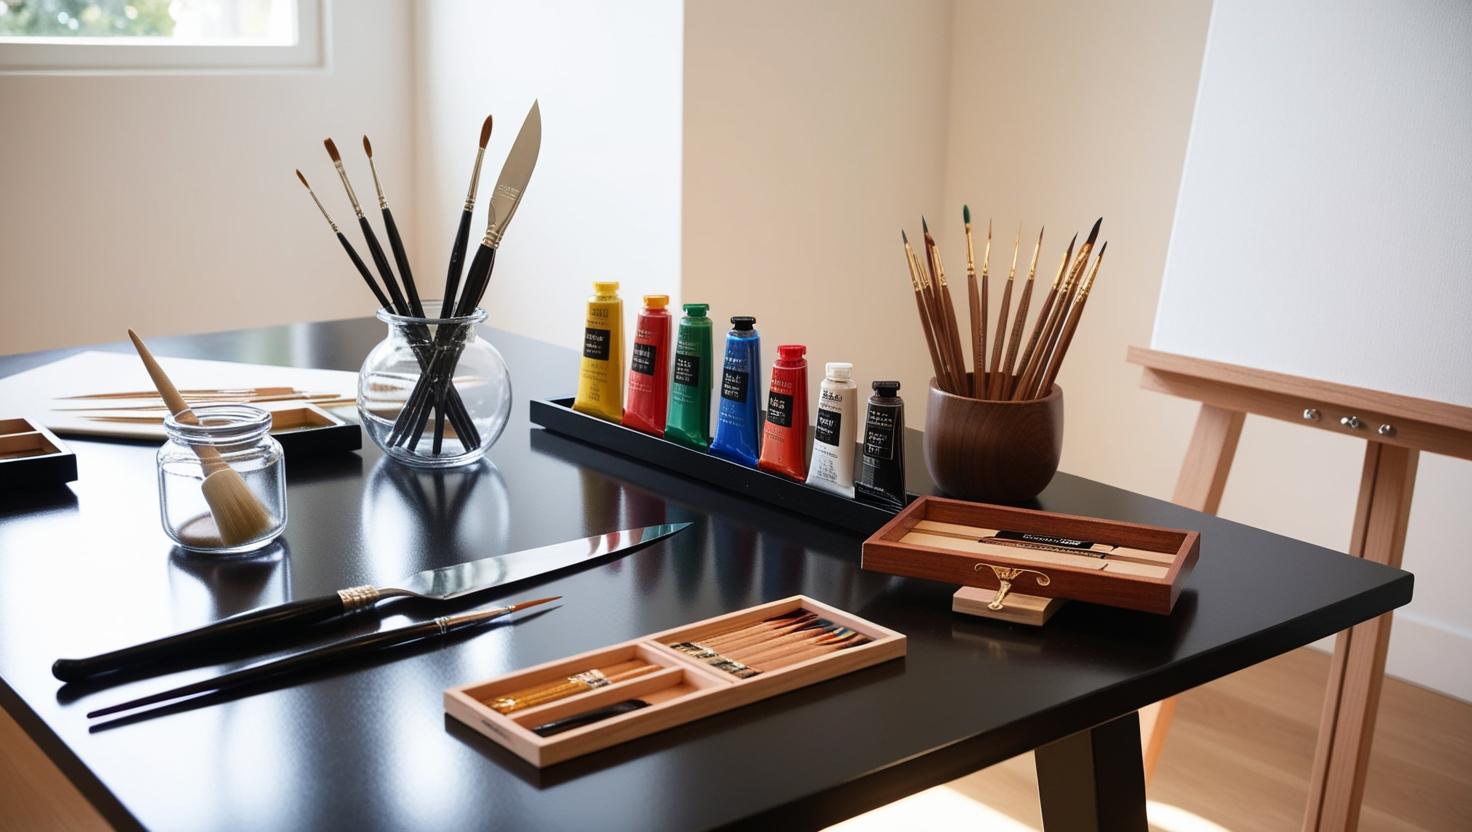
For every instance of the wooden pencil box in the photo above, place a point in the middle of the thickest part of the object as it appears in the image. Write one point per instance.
(683, 689)
(32, 457)
(1035, 553)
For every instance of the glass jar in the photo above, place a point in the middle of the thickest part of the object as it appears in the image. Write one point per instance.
(222, 480)
(433, 393)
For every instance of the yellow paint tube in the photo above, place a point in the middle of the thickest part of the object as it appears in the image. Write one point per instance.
(600, 381)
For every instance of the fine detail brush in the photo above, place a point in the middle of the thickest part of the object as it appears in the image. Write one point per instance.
(395, 242)
(994, 376)
(1037, 328)
(986, 291)
(1018, 322)
(977, 308)
(923, 310)
(948, 314)
(375, 250)
(1076, 311)
(598, 677)
(379, 642)
(238, 513)
(1027, 384)
(549, 729)
(515, 174)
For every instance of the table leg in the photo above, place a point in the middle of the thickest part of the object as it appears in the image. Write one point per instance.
(1094, 781)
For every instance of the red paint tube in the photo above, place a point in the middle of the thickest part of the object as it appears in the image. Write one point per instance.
(785, 434)
(647, 401)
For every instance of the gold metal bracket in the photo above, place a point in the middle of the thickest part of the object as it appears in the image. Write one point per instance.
(1005, 576)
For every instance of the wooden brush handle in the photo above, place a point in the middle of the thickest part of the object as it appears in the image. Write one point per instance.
(177, 406)
(1055, 361)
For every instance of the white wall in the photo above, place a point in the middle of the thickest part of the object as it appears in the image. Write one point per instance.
(604, 202)
(167, 202)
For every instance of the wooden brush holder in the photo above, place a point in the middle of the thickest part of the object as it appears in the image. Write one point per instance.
(993, 451)
(681, 689)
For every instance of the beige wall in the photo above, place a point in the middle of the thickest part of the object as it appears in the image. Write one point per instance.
(167, 203)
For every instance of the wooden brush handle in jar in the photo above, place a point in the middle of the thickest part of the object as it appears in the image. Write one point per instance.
(207, 454)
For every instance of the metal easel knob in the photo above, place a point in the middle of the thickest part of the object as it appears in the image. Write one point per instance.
(1386, 430)
(1352, 422)
(1311, 414)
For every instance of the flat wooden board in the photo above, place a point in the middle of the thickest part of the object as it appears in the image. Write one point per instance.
(34, 393)
(1016, 607)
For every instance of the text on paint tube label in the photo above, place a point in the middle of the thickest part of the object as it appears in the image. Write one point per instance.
(826, 431)
(733, 384)
(1047, 539)
(643, 359)
(596, 343)
(687, 369)
(779, 409)
(879, 435)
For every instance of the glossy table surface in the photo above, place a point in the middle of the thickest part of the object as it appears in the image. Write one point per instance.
(86, 568)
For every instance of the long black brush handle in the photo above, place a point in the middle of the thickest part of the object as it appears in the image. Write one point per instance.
(310, 659)
(401, 259)
(274, 620)
(363, 270)
(452, 285)
(413, 416)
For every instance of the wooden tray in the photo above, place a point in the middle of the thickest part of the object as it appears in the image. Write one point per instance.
(1129, 565)
(683, 690)
(32, 457)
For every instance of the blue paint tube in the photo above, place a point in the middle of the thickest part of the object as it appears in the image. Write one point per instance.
(739, 420)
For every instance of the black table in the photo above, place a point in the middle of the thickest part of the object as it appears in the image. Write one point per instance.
(87, 568)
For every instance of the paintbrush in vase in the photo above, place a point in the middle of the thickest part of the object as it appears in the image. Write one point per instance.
(379, 642)
(978, 302)
(457, 256)
(1027, 382)
(515, 174)
(948, 314)
(1075, 311)
(1037, 328)
(375, 250)
(1019, 320)
(458, 415)
(395, 242)
(923, 309)
(994, 376)
(238, 513)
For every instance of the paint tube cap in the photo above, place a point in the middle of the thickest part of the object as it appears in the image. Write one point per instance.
(886, 388)
(743, 323)
(605, 287)
(697, 310)
(839, 370)
(656, 301)
(791, 352)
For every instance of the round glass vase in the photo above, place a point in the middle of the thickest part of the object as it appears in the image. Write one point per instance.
(222, 480)
(434, 394)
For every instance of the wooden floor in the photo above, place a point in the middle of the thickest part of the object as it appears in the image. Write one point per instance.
(1238, 758)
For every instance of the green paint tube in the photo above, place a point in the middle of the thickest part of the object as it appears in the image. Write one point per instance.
(689, 413)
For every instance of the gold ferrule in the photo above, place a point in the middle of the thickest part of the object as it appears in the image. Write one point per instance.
(348, 186)
(382, 202)
(970, 253)
(492, 238)
(1089, 283)
(474, 180)
(986, 256)
(325, 215)
(940, 271)
(1062, 267)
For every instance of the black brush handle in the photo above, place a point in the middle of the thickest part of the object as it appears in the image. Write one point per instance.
(457, 264)
(363, 270)
(380, 262)
(401, 259)
(548, 729)
(283, 617)
(309, 659)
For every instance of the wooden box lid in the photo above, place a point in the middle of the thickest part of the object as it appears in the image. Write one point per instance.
(1035, 552)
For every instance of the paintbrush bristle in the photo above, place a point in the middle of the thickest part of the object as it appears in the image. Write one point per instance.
(905, 237)
(304, 179)
(485, 133)
(367, 146)
(966, 214)
(924, 226)
(524, 604)
(1094, 232)
(332, 150)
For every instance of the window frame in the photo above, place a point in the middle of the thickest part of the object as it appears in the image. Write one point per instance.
(128, 55)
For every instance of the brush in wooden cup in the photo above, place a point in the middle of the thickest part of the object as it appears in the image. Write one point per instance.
(237, 512)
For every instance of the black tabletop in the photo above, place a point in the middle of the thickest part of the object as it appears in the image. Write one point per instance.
(87, 568)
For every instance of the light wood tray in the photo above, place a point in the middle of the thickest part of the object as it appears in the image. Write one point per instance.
(1142, 568)
(685, 689)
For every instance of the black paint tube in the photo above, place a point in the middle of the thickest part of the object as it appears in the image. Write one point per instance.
(881, 475)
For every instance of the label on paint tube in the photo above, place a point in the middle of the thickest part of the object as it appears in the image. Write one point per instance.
(687, 369)
(596, 343)
(826, 431)
(734, 384)
(779, 409)
(880, 434)
(643, 359)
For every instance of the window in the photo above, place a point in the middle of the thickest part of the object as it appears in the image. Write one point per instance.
(92, 35)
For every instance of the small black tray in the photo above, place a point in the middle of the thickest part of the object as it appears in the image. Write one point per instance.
(557, 415)
(32, 457)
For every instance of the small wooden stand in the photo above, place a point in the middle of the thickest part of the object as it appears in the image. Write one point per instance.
(1396, 429)
(1020, 609)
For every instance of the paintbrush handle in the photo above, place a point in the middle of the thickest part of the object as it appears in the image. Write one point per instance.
(401, 259)
(380, 262)
(362, 268)
(457, 264)
(256, 624)
(318, 657)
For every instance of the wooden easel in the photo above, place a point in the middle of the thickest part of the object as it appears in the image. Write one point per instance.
(1396, 429)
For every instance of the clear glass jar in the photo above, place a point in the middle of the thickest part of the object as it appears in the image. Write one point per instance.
(222, 480)
(433, 393)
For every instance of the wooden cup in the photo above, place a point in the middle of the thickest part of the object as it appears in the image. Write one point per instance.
(993, 451)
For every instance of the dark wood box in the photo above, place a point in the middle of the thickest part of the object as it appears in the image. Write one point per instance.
(1131, 565)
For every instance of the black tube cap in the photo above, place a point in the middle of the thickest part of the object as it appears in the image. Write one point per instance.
(743, 323)
(886, 388)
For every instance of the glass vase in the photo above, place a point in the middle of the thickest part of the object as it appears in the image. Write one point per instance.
(222, 480)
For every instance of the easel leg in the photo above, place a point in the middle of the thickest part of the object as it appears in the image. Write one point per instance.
(1347, 727)
(1202, 480)
(1092, 781)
